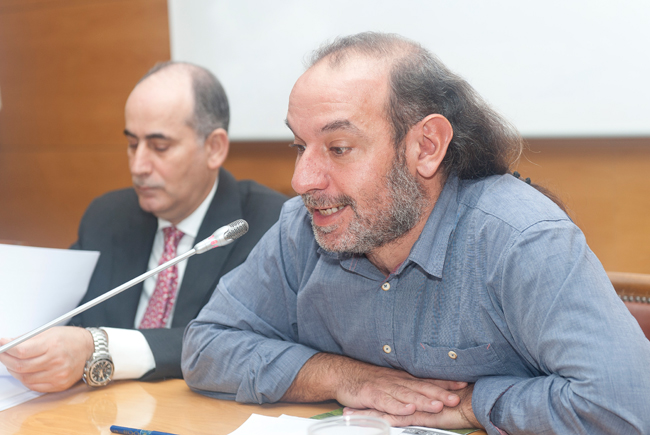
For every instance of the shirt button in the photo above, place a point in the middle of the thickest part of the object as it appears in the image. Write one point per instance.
(385, 286)
(387, 348)
(452, 354)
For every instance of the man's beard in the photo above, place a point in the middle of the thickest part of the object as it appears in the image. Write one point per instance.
(375, 227)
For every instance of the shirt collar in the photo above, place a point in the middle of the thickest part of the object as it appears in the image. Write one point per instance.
(191, 224)
(430, 249)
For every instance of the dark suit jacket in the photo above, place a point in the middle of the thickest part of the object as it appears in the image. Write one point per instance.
(115, 225)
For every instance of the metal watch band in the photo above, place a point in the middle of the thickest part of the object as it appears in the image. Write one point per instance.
(100, 338)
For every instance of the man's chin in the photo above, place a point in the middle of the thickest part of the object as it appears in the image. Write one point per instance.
(332, 240)
(150, 204)
(325, 237)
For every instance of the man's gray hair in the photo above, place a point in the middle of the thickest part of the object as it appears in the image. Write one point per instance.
(211, 110)
(483, 143)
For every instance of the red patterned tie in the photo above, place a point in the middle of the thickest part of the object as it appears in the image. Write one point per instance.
(162, 299)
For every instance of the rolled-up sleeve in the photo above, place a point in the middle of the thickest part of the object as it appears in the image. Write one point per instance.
(567, 321)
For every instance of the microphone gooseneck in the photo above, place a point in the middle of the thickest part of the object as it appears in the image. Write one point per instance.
(222, 237)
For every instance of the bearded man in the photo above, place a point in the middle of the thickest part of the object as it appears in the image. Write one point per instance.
(417, 280)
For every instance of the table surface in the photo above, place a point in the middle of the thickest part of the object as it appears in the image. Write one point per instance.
(166, 406)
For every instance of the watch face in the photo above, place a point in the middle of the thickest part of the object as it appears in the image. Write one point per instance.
(101, 371)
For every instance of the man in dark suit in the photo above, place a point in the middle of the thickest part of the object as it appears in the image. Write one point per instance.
(176, 125)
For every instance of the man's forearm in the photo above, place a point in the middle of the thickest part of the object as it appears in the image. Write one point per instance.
(318, 379)
(365, 386)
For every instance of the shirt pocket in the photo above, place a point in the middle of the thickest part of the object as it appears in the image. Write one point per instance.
(452, 363)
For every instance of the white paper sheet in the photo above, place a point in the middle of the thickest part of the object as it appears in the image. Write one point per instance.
(37, 285)
(289, 425)
(13, 393)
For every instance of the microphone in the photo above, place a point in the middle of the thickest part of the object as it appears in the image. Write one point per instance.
(222, 237)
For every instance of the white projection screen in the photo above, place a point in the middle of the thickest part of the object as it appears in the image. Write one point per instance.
(559, 68)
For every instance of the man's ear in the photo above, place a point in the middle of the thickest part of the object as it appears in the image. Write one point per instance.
(434, 134)
(216, 147)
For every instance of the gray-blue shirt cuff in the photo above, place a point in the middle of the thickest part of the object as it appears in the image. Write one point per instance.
(271, 371)
(485, 398)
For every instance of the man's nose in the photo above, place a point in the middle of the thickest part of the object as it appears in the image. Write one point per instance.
(310, 172)
(140, 160)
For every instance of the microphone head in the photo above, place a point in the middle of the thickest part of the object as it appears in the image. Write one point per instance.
(236, 229)
(223, 236)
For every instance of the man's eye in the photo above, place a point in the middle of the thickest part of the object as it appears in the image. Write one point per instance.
(160, 145)
(339, 151)
(299, 148)
(133, 146)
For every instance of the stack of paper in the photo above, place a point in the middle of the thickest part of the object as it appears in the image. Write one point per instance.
(37, 285)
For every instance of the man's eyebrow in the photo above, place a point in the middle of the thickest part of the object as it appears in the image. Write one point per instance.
(340, 124)
(149, 136)
(157, 136)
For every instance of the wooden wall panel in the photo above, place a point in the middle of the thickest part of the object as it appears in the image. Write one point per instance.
(66, 69)
(269, 163)
(604, 184)
(45, 193)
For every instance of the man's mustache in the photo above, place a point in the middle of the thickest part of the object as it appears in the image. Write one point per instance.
(313, 200)
(144, 185)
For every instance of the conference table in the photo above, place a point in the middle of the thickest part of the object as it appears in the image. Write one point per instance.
(166, 406)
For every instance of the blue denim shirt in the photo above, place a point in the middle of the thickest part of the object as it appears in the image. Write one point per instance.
(500, 289)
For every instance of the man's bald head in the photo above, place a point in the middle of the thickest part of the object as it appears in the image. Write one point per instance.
(210, 103)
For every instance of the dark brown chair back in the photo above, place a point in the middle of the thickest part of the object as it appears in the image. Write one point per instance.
(634, 290)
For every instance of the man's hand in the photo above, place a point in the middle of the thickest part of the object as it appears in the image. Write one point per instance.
(457, 417)
(51, 361)
(360, 385)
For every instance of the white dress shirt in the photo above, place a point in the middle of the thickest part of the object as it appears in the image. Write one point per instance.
(132, 356)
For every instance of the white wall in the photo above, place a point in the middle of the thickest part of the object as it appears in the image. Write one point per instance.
(554, 68)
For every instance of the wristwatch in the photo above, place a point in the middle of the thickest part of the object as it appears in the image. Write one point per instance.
(99, 368)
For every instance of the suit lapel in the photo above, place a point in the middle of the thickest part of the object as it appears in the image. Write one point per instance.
(132, 249)
(202, 270)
